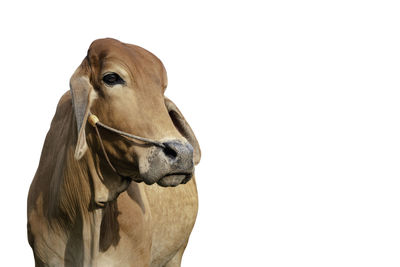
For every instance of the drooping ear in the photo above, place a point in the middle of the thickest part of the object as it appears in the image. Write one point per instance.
(81, 88)
(184, 128)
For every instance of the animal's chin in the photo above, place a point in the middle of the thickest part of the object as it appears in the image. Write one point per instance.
(175, 179)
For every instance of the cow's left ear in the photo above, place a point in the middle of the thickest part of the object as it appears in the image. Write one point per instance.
(184, 128)
(81, 88)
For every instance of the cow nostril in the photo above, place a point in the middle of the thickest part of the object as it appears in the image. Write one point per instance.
(169, 152)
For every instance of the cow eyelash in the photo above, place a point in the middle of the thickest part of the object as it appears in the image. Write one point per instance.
(113, 79)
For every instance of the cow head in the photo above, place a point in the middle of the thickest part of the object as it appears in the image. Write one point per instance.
(123, 85)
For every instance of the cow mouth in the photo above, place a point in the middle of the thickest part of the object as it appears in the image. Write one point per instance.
(174, 179)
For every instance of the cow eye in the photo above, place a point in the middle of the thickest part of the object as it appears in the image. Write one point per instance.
(113, 79)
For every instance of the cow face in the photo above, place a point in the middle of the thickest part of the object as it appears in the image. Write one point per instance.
(123, 85)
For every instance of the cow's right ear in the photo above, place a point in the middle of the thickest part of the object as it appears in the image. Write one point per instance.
(81, 88)
(184, 128)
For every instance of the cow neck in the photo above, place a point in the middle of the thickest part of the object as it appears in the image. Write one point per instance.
(104, 187)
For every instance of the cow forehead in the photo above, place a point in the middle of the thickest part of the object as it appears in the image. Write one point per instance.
(108, 51)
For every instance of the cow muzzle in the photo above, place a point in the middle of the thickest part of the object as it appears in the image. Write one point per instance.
(167, 163)
(168, 166)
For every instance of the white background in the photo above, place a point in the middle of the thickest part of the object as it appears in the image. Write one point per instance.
(295, 103)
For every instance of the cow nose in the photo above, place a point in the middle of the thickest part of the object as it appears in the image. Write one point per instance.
(178, 151)
(170, 150)
(169, 166)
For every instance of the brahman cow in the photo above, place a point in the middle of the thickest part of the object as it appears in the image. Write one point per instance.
(87, 205)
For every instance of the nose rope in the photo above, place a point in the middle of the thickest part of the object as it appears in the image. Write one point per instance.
(94, 121)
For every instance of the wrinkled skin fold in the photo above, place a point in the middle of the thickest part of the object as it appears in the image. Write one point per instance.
(81, 212)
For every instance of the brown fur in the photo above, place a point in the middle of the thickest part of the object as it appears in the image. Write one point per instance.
(80, 212)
